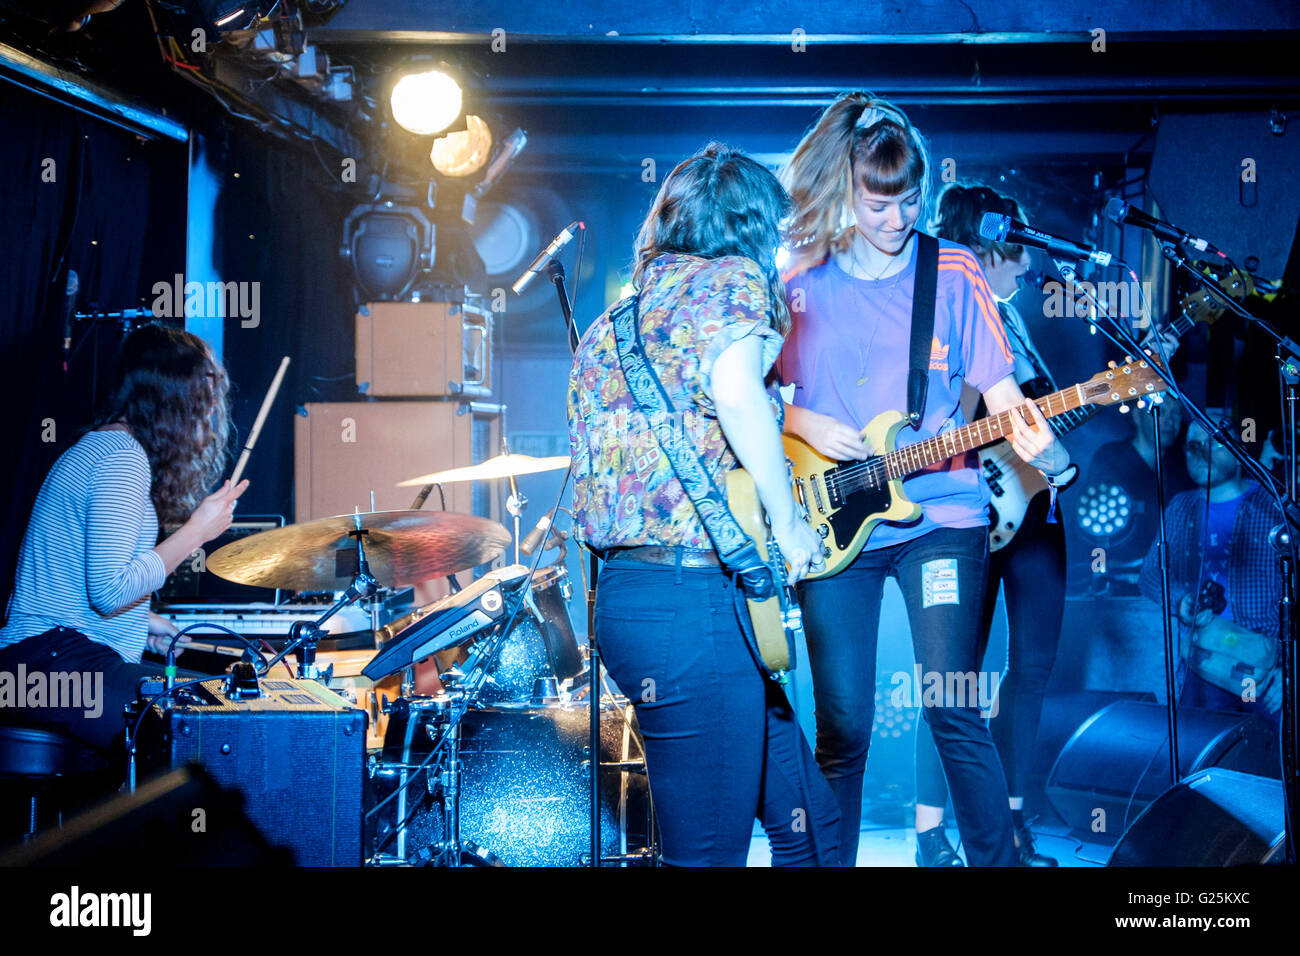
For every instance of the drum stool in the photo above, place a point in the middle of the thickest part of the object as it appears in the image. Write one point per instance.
(36, 763)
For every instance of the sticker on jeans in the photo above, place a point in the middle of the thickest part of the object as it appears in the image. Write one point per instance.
(939, 582)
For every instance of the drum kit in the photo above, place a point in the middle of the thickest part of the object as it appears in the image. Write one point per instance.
(495, 768)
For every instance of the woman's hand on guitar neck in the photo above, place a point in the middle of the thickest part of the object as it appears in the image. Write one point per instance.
(829, 438)
(1035, 442)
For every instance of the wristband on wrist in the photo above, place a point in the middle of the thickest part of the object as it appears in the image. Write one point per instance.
(1059, 481)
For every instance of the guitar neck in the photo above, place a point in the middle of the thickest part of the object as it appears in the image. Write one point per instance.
(903, 461)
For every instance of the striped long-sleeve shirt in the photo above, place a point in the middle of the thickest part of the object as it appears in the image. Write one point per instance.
(87, 560)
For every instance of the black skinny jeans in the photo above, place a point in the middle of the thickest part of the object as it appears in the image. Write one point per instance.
(942, 575)
(1031, 573)
(722, 742)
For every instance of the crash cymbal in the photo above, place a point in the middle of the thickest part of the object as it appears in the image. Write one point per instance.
(402, 547)
(502, 466)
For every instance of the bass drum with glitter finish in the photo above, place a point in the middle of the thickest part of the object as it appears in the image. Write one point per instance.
(524, 794)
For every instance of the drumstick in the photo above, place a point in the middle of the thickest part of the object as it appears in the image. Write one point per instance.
(257, 424)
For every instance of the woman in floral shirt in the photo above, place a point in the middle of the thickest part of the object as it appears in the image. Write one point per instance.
(722, 744)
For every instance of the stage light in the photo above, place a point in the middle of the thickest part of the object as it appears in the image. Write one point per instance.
(426, 103)
(463, 152)
(1103, 510)
(388, 246)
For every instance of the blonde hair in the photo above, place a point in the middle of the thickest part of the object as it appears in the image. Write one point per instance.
(717, 203)
(857, 134)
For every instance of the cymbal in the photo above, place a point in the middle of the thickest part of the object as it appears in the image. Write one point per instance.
(502, 466)
(402, 548)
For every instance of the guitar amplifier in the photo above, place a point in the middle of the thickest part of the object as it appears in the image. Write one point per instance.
(296, 754)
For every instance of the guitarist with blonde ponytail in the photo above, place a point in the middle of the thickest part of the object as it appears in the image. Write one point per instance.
(862, 279)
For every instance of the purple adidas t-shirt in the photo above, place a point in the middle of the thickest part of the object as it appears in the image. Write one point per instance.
(847, 357)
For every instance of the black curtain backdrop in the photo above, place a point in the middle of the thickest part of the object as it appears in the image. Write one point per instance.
(278, 223)
(115, 213)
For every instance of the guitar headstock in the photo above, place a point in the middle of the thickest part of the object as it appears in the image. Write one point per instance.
(1134, 380)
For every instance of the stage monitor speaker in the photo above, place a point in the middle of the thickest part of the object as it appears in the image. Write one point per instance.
(178, 819)
(1215, 817)
(1117, 762)
(1197, 177)
(296, 753)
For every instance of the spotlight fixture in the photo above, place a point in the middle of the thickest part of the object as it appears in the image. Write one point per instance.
(388, 246)
(463, 152)
(427, 102)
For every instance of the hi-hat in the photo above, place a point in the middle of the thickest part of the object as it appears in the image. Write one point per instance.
(502, 466)
(402, 548)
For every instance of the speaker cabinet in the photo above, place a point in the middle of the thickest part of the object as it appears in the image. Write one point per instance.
(1117, 762)
(1215, 817)
(295, 753)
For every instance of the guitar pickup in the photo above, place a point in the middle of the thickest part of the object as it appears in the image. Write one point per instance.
(817, 497)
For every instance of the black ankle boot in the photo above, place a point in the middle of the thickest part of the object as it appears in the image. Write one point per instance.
(933, 849)
(1025, 849)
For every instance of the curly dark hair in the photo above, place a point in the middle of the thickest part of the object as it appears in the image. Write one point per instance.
(171, 391)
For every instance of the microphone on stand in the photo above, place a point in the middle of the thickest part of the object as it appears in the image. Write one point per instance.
(534, 538)
(999, 228)
(546, 255)
(1121, 212)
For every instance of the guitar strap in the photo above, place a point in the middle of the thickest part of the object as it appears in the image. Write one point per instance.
(924, 288)
(736, 550)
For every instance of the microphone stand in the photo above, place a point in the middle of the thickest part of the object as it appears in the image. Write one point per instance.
(556, 271)
(1125, 340)
(1282, 537)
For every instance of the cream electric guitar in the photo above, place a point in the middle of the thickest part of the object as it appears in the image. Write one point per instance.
(846, 500)
(777, 620)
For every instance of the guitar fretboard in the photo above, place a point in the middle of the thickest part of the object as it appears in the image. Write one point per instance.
(903, 461)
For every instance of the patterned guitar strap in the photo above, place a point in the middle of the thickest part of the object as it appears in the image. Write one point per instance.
(736, 550)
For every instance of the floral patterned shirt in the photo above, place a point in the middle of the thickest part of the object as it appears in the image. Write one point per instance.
(625, 492)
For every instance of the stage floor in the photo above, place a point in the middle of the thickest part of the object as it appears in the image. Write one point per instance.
(880, 846)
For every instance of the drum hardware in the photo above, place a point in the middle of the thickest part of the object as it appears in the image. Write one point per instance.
(305, 635)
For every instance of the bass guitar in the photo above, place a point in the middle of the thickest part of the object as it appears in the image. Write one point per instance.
(846, 500)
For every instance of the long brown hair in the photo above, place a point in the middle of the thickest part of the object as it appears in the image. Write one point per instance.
(962, 206)
(171, 391)
(719, 202)
(856, 136)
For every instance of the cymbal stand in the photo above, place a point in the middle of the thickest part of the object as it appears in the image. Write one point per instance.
(305, 635)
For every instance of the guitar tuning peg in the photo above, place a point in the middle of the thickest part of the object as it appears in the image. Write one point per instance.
(1124, 409)
(1128, 359)
(1141, 404)
(1110, 364)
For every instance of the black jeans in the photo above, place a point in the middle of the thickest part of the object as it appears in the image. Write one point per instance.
(107, 683)
(942, 575)
(1031, 573)
(722, 742)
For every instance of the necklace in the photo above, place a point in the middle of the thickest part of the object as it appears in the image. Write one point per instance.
(853, 265)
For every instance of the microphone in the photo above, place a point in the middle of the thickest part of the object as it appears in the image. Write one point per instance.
(546, 255)
(1121, 212)
(998, 228)
(534, 538)
(69, 306)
